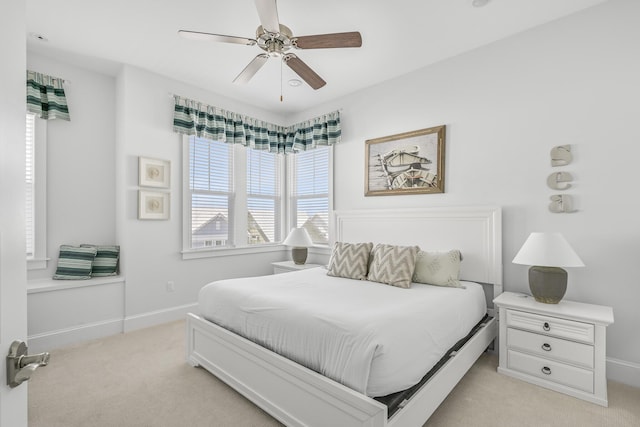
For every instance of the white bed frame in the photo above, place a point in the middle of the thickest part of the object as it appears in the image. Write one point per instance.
(297, 396)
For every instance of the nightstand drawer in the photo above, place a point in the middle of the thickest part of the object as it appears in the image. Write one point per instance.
(577, 378)
(550, 347)
(552, 326)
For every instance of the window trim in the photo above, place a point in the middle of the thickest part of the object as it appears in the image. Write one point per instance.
(239, 199)
(289, 207)
(39, 259)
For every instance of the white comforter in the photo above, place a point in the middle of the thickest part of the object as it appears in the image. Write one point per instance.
(374, 338)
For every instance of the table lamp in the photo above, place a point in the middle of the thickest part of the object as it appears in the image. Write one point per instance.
(299, 239)
(546, 253)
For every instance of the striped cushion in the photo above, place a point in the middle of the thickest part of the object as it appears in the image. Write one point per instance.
(106, 261)
(74, 263)
(393, 265)
(438, 268)
(350, 260)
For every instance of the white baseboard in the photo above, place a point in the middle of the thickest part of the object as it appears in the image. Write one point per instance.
(623, 371)
(52, 340)
(152, 318)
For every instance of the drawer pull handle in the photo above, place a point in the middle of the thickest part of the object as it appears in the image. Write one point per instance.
(546, 326)
(546, 370)
(546, 347)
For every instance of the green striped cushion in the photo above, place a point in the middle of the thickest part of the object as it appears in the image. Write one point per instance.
(74, 263)
(106, 261)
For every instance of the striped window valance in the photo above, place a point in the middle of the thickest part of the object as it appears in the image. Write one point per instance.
(205, 121)
(45, 96)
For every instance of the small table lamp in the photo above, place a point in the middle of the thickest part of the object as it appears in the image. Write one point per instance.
(299, 239)
(546, 253)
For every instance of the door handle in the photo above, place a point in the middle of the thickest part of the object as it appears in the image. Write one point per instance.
(20, 365)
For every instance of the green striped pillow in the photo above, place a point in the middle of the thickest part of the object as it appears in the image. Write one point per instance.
(106, 261)
(74, 263)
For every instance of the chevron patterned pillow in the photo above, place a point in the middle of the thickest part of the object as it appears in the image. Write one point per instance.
(438, 268)
(350, 260)
(393, 265)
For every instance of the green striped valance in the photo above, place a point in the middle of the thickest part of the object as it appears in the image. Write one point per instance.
(205, 121)
(45, 96)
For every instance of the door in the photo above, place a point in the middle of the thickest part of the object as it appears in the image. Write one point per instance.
(13, 269)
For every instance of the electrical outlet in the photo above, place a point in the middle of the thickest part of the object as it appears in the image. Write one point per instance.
(171, 286)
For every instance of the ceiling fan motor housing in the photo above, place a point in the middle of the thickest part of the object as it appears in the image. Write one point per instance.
(274, 43)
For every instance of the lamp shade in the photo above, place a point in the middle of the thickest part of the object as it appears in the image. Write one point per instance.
(549, 250)
(298, 238)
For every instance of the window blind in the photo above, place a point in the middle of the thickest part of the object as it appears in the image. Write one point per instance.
(212, 192)
(263, 197)
(30, 185)
(310, 193)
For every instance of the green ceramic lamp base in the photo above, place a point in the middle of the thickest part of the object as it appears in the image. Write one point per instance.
(299, 255)
(547, 284)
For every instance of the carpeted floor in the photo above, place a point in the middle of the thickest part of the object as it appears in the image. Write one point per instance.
(141, 379)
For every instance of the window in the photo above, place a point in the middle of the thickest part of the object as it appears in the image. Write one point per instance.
(263, 197)
(310, 201)
(211, 192)
(35, 191)
(234, 196)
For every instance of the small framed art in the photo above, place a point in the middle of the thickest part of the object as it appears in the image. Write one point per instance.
(153, 172)
(153, 205)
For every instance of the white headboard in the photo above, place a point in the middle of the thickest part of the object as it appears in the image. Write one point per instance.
(475, 230)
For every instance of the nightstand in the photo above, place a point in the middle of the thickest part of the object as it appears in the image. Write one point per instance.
(285, 266)
(558, 346)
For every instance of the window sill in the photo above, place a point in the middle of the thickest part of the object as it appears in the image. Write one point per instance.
(245, 250)
(48, 285)
(37, 264)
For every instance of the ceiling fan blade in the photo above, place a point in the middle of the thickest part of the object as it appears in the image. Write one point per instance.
(324, 41)
(268, 13)
(251, 69)
(304, 71)
(195, 35)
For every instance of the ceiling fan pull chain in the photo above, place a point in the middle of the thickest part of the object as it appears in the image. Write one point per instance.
(280, 81)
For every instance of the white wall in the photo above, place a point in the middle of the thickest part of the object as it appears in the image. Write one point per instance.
(80, 161)
(574, 81)
(151, 249)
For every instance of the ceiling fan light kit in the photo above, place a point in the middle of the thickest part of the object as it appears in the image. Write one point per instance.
(276, 39)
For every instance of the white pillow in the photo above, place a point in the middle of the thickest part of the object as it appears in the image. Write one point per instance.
(438, 268)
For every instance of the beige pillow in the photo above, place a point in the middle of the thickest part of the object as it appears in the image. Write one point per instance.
(350, 260)
(393, 265)
(438, 268)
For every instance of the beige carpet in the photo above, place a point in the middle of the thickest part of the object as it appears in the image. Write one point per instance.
(141, 379)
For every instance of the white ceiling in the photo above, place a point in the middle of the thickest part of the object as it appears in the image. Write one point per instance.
(398, 36)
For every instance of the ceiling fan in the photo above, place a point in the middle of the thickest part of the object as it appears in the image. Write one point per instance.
(276, 40)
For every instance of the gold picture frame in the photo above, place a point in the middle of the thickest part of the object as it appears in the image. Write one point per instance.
(153, 205)
(153, 172)
(406, 163)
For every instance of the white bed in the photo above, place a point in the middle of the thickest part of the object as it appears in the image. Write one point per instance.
(299, 396)
(374, 338)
